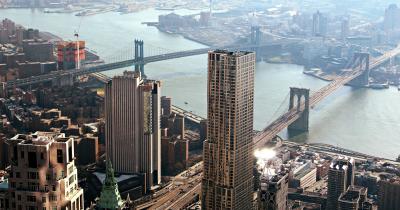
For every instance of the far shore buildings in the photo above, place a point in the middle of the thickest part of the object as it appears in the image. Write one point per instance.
(132, 115)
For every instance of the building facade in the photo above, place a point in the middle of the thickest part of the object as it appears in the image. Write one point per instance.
(340, 177)
(389, 194)
(133, 142)
(228, 151)
(43, 173)
(353, 198)
(273, 192)
(319, 24)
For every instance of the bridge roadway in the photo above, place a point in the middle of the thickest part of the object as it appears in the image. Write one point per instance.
(89, 69)
(292, 115)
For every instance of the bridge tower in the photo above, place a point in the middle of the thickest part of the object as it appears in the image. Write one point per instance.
(139, 57)
(362, 60)
(256, 40)
(298, 96)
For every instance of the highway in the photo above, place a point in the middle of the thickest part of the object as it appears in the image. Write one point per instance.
(184, 188)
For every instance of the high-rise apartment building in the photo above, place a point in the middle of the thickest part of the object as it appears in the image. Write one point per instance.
(43, 173)
(228, 151)
(340, 177)
(133, 141)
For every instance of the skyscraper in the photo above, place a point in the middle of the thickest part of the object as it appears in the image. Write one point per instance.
(133, 142)
(345, 29)
(43, 173)
(320, 24)
(228, 151)
(340, 177)
(392, 16)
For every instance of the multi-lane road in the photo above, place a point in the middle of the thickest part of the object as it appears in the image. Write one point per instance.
(183, 190)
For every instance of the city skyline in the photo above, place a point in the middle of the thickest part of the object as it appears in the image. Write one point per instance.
(294, 106)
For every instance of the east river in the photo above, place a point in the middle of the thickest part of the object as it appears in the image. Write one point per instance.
(363, 120)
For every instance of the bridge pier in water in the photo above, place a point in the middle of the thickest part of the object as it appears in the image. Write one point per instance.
(298, 96)
(139, 57)
(361, 59)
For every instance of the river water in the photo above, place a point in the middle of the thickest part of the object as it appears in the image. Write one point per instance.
(363, 120)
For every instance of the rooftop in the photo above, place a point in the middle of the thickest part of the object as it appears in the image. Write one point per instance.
(233, 53)
(302, 172)
(39, 138)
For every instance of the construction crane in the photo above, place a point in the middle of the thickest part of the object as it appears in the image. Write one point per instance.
(76, 34)
(78, 62)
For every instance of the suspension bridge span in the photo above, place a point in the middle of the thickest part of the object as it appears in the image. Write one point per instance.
(297, 116)
(135, 58)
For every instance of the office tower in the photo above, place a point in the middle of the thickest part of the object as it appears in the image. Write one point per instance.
(273, 192)
(353, 198)
(132, 118)
(43, 173)
(320, 24)
(340, 177)
(389, 194)
(228, 151)
(392, 16)
(345, 29)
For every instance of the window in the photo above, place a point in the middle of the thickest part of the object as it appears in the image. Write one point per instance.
(44, 201)
(54, 188)
(17, 175)
(33, 175)
(32, 160)
(31, 198)
(60, 156)
(70, 155)
(53, 198)
(19, 197)
(22, 154)
(41, 156)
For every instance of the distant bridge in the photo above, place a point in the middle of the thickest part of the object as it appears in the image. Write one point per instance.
(136, 59)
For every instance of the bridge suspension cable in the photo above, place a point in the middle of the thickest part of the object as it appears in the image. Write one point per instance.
(281, 108)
